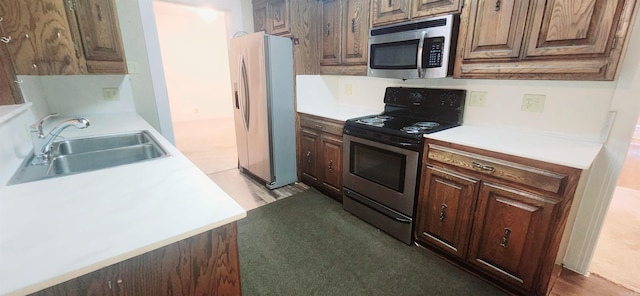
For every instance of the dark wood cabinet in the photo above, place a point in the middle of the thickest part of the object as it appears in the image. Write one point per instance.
(320, 154)
(272, 16)
(498, 215)
(542, 39)
(205, 264)
(343, 36)
(445, 210)
(387, 12)
(64, 37)
(9, 91)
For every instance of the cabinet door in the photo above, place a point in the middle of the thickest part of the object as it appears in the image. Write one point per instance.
(356, 31)
(495, 29)
(309, 143)
(427, 8)
(99, 31)
(9, 92)
(386, 12)
(332, 164)
(260, 16)
(573, 27)
(278, 17)
(510, 233)
(445, 210)
(330, 32)
(41, 41)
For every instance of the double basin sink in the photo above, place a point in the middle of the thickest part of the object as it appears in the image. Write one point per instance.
(78, 155)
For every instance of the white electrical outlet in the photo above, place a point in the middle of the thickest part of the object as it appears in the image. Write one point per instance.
(110, 94)
(533, 103)
(478, 98)
(348, 89)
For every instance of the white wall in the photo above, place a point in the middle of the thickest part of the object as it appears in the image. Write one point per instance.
(195, 60)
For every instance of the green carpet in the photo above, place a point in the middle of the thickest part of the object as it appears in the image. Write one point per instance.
(307, 244)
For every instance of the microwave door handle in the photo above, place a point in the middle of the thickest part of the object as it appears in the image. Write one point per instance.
(419, 58)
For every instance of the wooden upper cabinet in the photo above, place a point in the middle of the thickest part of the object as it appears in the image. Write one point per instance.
(425, 8)
(99, 32)
(495, 31)
(278, 22)
(542, 39)
(330, 32)
(41, 41)
(53, 37)
(343, 35)
(386, 12)
(567, 27)
(260, 16)
(355, 33)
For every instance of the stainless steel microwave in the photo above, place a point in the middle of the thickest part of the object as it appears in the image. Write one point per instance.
(414, 50)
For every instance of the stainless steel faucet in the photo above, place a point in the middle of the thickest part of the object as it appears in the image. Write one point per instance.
(42, 144)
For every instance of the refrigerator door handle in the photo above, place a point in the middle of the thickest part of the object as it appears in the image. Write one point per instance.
(244, 80)
(235, 94)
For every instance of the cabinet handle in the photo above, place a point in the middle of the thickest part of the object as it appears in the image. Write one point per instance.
(99, 11)
(483, 167)
(443, 212)
(309, 157)
(353, 25)
(497, 7)
(6, 39)
(330, 166)
(505, 237)
(328, 29)
(390, 3)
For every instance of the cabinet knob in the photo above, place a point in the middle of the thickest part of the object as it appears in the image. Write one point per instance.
(330, 166)
(309, 157)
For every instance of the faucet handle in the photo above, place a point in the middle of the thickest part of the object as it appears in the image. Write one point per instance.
(37, 127)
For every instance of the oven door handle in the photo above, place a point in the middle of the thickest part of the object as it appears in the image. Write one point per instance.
(376, 206)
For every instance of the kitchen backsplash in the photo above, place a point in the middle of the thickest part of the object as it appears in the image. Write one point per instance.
(572, 109)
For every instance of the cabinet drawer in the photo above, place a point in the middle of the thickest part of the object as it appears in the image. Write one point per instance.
(325, 125)
(507, 170)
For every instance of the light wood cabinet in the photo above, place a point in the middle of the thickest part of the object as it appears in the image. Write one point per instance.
(343, 36)
(386, 12)
(9, 91)
(542, 39)
(498, 215)
(320, 154)
(205, 264)
(64, 37)
(272, 16)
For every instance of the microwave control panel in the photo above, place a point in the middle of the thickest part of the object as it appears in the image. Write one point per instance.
(432, 52)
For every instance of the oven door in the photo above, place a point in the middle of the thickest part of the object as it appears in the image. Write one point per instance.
(380, 172)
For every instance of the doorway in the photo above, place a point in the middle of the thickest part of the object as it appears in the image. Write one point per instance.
(617, 254)
(193, 43)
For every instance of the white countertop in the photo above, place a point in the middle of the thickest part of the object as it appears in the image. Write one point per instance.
(563, 151)
(57, 229)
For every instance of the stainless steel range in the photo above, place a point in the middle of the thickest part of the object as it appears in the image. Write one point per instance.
(382, 155)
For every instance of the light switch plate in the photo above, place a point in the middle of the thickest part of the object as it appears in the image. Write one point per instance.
(533, 103)
(348, 89)
(478, 98)
(110, 94)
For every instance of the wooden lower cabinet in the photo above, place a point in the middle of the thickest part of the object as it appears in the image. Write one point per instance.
(320, 154)
(205, 264)
(497, 215)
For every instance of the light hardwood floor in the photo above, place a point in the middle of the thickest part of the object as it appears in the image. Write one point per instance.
(206, 142)
(617, 255)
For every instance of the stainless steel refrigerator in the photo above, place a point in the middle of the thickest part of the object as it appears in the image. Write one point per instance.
(262, 96)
